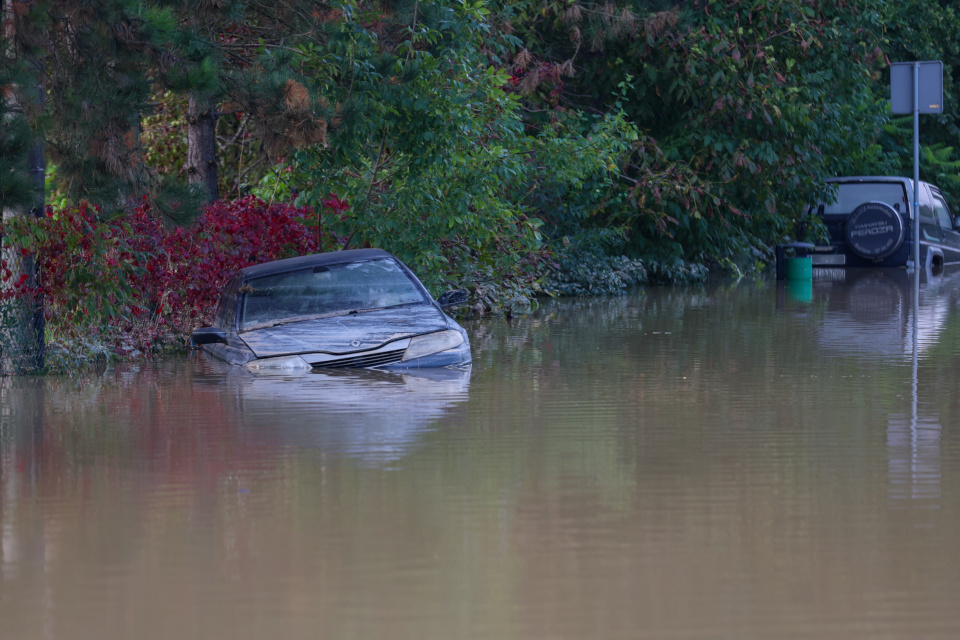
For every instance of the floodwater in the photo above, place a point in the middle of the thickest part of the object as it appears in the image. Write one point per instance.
(736, 461)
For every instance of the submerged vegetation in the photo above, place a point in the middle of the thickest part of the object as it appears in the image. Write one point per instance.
(516, 148)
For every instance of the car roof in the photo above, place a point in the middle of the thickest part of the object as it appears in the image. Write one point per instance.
(314, 260)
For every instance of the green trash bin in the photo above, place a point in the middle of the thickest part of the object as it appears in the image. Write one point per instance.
(800, 290)
(799, 268)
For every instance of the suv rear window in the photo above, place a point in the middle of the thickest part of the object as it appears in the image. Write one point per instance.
(852, 195)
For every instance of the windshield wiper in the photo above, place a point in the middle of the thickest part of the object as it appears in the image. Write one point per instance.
(293, 320)
(402, 305)
(356, 311)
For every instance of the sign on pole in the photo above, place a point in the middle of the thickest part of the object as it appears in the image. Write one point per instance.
(930, 89)
(916, 87)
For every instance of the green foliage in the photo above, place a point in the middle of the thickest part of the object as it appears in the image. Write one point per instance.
(922, 30)
(164, 136)
(470, 138)
(16, 138)
(54, 196)
(432, 153)
(240, 158)
(16, 188)
(741, 109)
(101, 65)
(587, 270)
(939, 163)
(944, 166)
(97, 64)
(675, 272)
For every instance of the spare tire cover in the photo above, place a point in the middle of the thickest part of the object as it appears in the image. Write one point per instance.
(874, 230)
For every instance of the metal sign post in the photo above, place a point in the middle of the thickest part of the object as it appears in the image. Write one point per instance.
(916, 87)
(916, 166)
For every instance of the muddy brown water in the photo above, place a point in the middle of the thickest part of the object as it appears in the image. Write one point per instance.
(733, 461)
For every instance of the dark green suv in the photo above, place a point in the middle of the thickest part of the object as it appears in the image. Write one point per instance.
(870, 221)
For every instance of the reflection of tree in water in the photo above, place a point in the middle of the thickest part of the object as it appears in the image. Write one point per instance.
(591, 334)
(161, 417)
(21, 440)
(112, 467)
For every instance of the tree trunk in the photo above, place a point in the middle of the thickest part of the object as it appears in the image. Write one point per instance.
(38, 171)
(22, 344)
(202, 146)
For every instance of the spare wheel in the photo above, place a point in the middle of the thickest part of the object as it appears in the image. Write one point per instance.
(874, 230)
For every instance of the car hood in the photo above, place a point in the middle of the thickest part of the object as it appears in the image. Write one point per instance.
(345, 334)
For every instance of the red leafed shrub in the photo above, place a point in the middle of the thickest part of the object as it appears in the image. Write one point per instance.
(132, 283)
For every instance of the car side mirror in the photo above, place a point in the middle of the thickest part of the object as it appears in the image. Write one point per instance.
(453, 298)
(208, 335)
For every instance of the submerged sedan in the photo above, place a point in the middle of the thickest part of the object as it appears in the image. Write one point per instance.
(348, 309)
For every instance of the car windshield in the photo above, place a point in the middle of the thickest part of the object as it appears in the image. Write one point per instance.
(326, 291)
(851, 195)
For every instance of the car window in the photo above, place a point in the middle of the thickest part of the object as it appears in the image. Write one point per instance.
(943, 212)
(849, 196)
(365, 285)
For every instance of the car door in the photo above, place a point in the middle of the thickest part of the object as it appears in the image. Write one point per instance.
(950, 236)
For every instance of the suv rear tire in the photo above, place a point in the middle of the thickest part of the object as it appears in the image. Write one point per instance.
(874, 231)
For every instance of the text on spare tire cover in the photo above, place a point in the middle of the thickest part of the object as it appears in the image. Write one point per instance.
(874, 230)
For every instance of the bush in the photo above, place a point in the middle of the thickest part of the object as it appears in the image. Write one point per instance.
(128, 285)
(588, 271)
(585, 268)
(676, 272)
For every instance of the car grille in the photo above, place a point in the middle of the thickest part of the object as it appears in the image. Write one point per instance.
(361, 361)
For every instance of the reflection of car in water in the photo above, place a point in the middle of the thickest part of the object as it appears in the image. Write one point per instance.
(376, 416)
(869, 312)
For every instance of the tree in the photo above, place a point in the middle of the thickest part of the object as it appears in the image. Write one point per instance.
(427, 143)
(21, 193)
(99, 63)
(925, 31)
(744, 107)
(233, 47)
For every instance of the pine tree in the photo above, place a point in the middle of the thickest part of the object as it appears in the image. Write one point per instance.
(16, 139)
(249, 68)
(101, 63)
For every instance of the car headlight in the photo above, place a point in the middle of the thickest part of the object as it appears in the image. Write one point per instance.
(283, 363)
(432, 343)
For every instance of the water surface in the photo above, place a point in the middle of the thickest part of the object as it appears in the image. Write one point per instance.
(731, 461)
